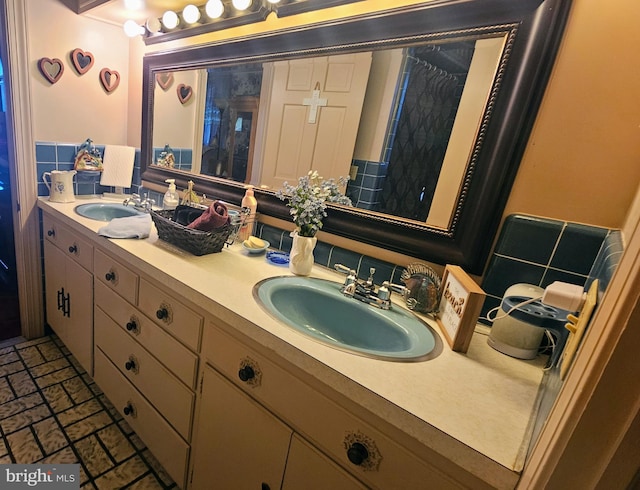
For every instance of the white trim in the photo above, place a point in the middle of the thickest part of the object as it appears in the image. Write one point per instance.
(22, 154)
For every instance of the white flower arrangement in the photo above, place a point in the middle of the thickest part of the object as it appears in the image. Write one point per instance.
(308, 199)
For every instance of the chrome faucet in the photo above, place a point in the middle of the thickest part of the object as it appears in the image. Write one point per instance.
(365, 291)
(144, 204)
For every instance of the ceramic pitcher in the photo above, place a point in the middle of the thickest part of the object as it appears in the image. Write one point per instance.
(60, 185)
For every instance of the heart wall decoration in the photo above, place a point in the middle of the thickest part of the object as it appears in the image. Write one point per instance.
(110, 79)
(82, 60)
(164, 79)
(184, 93)
(51, 69)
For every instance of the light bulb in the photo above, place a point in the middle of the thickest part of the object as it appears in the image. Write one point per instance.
(274, 1)
(191, 14)
(132, 29)
(214, 9)
(170, 19)
(241, 4)
(153, 25)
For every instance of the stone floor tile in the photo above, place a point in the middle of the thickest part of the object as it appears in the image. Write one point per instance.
(149, 482)
(24, 447)
(56, 377)
(77, 389)
(94, 457)
(122, 474)
(155, 464)
(87, 426)
(57, 398)
(22, 383)
(12, 367)
(49, 367)
(20, 404)
(64, 456)
(22, 419)
(116, 443)
(50, 435)
(6, 394)
(79, 412)
(9, 357)
(31, 356)
(50, 351)
(3, 448)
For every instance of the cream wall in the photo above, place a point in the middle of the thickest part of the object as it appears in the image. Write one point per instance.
(582, 162)
(77, 106)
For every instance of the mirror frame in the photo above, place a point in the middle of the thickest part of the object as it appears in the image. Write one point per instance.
(534, 30)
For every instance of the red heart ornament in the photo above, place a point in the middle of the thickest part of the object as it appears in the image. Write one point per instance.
(165, 80)
(110, 79)
(184, 93)
(51, 69)
(82, 60)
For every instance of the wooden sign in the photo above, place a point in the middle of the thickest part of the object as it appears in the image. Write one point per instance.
(460, 306)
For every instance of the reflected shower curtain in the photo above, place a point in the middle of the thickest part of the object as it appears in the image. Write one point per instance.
(423, 128)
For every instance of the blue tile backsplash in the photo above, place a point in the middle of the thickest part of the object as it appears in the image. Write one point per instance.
(540, 251)
(61, 156)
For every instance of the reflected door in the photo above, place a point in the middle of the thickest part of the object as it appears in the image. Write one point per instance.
(311, 122)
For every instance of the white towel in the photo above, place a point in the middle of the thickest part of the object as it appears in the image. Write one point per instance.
(118, 165)
(129, 227)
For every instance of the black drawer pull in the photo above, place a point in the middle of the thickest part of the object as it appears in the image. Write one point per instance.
(110, 276)
(246, 373)
(357, 453)
(51, 232)
(128, 409)
(131, 326)
(130, 365)
(73, 249)
(162, 313)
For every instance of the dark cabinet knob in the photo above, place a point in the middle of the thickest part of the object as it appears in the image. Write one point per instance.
(128, 410)
(51, 232)
(131, 326)
(246, 373)
(110, 276)
(162, 313)
(265, 486)
(129, 365)
(357, 453)
(73, 249)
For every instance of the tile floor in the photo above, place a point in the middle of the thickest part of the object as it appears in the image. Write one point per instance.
(52, 412)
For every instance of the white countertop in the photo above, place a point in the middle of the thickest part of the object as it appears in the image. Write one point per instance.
(457, 404)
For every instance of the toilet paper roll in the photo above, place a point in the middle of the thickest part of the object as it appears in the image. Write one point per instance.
(118, 165)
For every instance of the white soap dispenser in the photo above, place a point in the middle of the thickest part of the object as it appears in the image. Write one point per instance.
(170, 200)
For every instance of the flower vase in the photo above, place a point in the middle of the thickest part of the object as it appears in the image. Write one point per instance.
(301, 256)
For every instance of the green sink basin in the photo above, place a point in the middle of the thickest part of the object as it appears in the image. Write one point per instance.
(318, 309)
(105, 212)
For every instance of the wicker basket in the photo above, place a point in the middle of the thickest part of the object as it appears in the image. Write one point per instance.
(194, 241)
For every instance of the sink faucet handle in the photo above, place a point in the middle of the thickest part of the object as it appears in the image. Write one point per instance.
(351, 273)
(372, 271)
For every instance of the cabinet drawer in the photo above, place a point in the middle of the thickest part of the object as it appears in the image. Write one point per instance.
(165, 444)
(170, 397)
(329, 426)
(79, 249)
(175, 356)
(116, 276)
(177, 319)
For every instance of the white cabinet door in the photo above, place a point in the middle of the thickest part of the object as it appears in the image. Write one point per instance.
(69, 301)
(308, 468)
(239, 445)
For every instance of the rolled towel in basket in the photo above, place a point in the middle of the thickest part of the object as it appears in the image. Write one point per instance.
(214, 217)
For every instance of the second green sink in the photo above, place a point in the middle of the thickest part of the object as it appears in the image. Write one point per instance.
(318, 309)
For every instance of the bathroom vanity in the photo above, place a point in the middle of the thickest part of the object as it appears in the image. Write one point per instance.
(225, 396)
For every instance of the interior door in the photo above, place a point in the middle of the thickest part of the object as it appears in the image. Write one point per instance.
(312, 118)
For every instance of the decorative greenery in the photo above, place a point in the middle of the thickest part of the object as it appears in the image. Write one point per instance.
(308, 199)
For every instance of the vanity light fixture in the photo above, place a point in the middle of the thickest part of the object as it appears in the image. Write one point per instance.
(241, 4)
(214, 9)
(215, 15)
(170, 20)
(132, 29)
(191, 14)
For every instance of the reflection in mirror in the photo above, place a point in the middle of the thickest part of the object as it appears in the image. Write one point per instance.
(450, 209)
(402, 122)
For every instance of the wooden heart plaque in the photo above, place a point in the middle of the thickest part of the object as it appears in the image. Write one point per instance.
(51, 69)
(184, 93)
(82, 60)
(165, 79)
(110, 79)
